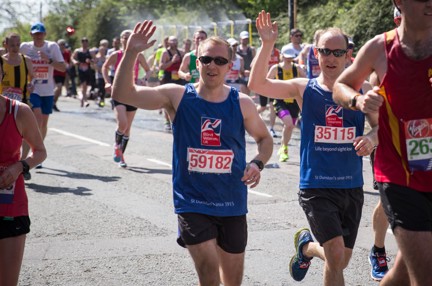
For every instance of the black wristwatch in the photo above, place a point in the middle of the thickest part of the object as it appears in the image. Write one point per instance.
(26, 167)
(259, 163)
(353, 102)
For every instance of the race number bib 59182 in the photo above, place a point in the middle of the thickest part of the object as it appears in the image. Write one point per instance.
(333, 134)
(418, 134)
(210, 161)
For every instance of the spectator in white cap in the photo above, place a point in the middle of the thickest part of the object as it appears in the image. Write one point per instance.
(232, 78)
(247, 52)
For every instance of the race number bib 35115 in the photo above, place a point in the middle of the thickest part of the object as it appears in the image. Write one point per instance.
(333, 134)
(418, 134)
(210, 161)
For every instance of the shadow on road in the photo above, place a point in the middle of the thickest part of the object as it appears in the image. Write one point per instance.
(79, 191)
(149, 171)
(75, 175)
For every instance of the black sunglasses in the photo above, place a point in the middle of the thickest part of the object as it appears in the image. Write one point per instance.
(337, 53)
(206, 60)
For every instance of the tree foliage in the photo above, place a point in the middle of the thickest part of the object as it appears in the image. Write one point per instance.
(99, 19)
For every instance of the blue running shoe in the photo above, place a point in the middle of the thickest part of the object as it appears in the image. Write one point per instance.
(299, 264)
(378, 261)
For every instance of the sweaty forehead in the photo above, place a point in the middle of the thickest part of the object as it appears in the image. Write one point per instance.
(332, 40)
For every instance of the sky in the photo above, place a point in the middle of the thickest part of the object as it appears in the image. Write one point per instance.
(28, 10)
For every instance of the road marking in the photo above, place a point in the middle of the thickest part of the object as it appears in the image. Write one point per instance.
(250, 191)
(260, 194)
(80, 137)
(160, 162)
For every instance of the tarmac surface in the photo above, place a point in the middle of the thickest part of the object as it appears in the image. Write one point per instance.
(94, 223)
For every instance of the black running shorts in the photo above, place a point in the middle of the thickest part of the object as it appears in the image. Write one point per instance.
(14, 226)
(407, 208)
(333, 212)
(229, 232)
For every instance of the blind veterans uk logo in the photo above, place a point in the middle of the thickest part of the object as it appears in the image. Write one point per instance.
(210, 131)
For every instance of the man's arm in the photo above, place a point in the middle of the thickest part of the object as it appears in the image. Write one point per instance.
(256, 127)
(74, 57)
(125, 91)
(184, 71)
(364, 145)
(371, 57)
(105, 70)
(258, 82)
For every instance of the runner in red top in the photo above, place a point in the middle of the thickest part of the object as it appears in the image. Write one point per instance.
(17, 122)
(402, 60)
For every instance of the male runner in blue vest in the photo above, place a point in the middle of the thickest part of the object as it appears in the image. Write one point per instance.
(210, 172)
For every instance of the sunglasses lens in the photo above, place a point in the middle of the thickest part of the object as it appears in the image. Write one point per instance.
(325, 52)
(337, 53)
(220, 61)
(205, 60)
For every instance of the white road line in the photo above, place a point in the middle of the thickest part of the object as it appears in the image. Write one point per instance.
(151, 160)
(250, 191)
(79, 137)
(260, 194)
(160, 162)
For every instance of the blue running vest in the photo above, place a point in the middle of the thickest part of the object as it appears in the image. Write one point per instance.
(209, 156)
(327, 155)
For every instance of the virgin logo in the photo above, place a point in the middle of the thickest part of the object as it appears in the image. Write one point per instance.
(418, 128)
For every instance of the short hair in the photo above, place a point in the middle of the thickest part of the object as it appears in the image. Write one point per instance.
(125, 32)
(316, 36)
(335, 32)
(61, 42)
(201, 31)
(215, 40)
(295, 31)
(10, 36)
(104, 42)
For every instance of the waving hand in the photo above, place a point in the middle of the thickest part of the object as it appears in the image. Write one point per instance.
(267, 30)
(139, 39)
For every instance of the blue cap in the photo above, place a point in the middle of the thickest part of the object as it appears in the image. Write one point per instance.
(37, 28)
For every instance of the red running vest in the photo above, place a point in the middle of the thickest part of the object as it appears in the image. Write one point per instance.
(404, 154)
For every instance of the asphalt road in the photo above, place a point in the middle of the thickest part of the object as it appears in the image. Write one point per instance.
(94, 223)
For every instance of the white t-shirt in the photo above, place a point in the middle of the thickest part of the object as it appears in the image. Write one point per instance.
(43, 71)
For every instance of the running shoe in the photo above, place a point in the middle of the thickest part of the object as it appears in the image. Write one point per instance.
(378, 261)
(273, 133)
(101, 103)
(118, 155)
(283, 153)
(56, 108)
(299, 264)
(122, 162)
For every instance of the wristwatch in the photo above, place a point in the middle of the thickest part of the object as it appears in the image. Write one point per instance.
(259, 163)
(26, 167)
(353, 102)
